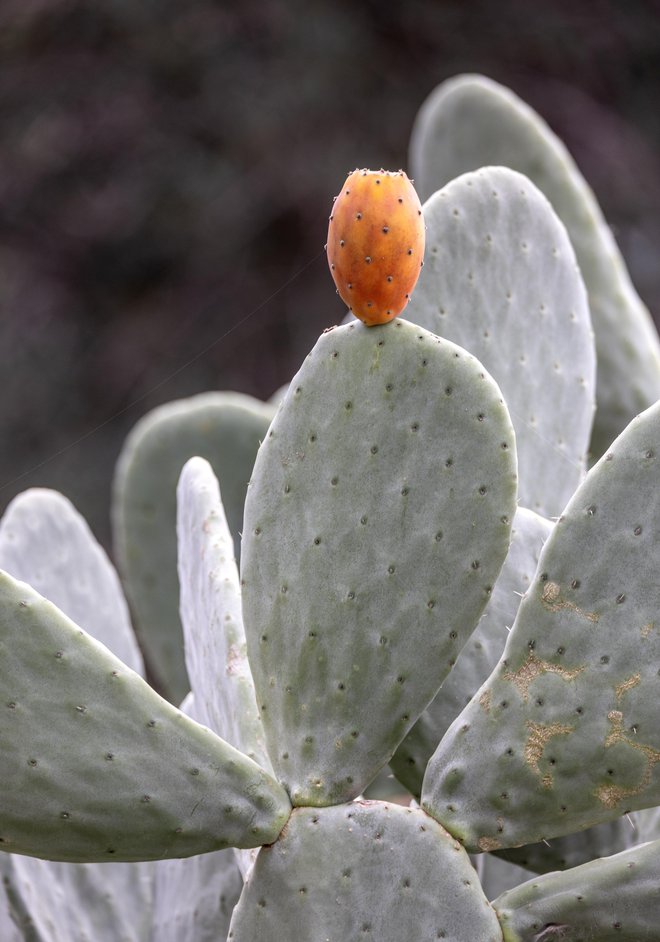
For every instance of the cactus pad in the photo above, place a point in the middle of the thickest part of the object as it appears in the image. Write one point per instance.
(615, 899)
(212, 617)
(195, 897)
(481, 653)
(66, 902)
(376, 523)
(470, 121)
(137, 780)
(45, 541)
(224, 428)
(562, 853)
(564, 733)
(500, 279)
(366, 870)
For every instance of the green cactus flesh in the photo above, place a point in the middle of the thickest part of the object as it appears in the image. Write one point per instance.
(500, 279)
(45, 541)
(67, 902)
(367, 870)
(571, 850)
(176, 900)
(616, 899)
(194, 898)
(470, 121)
(224, 428)
(243, 857)
(564, 733)
(481, 653)
(376, 523)
(98, 767)
(211, 612)
(12, 915)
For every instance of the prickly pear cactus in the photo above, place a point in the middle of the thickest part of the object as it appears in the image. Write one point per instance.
(470, 121)
(571, 850)
(224, 428)
(603, 900)
(365, 870)
(367, 849)
(501, 279)
(382, 532)
(480, 655)
(65, 902)
(569, 711)
(369, 473)
(46, 542)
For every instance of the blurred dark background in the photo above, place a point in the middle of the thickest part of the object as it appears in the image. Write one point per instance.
(167, 168)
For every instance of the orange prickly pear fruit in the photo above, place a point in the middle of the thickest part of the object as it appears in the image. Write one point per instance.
(376, 243)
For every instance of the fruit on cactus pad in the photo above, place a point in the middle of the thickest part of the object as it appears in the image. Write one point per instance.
(376, 243)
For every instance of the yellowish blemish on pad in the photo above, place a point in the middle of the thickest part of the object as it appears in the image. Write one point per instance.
(626, 685)
(532, 668)
(488, 843)
(611, 795)
(553, 601)
(538, 738)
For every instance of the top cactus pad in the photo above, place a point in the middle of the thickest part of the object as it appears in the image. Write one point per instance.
(376, 522)
(376, 243)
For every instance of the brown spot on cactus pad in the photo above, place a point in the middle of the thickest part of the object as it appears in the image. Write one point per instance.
(611, 795)
(532, 668)
(552, 599)
(538, 738)
(627, 685)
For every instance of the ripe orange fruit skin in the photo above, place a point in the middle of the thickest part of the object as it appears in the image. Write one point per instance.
(375, 244)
